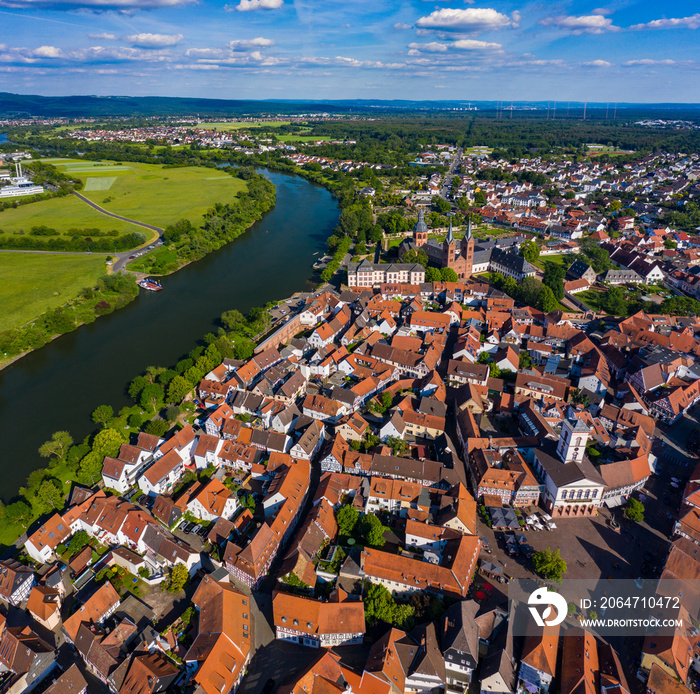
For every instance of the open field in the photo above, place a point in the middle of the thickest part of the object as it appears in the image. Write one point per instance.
(237, 125)
(63, 214)
(36, 282)
(151, 193)
(563, 259)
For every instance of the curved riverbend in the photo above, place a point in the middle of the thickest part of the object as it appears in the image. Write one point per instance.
(58, 386)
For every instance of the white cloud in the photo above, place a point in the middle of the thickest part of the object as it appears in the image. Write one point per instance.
(473, 45)
(432, 47)
(597, 63)
(692, 22)
(154, 40)
(48, 52)
(601, 10)
(648, 61)
(248, 5)
(249, 44)
(103, 37)
(586, 24)
(401, 25)
(125, 5)
(470, 20)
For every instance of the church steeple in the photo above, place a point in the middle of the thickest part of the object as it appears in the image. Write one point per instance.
(466, 251)
(450, 235)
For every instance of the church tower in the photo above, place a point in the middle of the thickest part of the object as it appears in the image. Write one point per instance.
(466, 251)
(572, 441)
(449, 249)
(420, 231)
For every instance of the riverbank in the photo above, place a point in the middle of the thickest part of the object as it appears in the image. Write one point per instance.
(192, 244)
(62, 383)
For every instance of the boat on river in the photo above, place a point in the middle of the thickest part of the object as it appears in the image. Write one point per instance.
(150, 284)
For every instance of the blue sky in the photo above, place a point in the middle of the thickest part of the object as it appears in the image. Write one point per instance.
(620, 50)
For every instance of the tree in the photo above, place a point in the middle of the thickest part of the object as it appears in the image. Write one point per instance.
(232, 319)
(548, 302)
(107, 442)
(614, 302)
(152, 397)
(530, 251)
(387, 400)
(178, 578)
(57, 445)
(172, 413)
(433, 274)
(580, 397)
(495, 370)
(447, 274)
(136, 386)
(346, 517)
(634, 510)
(380, 606)
(372, 530)
(157, 427)
(440, 204)
(79, 541)
(18, 513)
(670, 244)
(549, 564)
(102, 414)
(417, 255)
(49, 496)
(554, 279)
(178, 389)
(479, 198)
(524, 360)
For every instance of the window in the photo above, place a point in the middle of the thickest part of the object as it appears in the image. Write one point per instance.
(296, 622)
(595, 493)
(563, 494)
(284, 620)
(579, 493)
(245, 615)
(588, 494)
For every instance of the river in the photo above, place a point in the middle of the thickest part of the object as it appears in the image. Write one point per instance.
(3, 138)
(58, 386)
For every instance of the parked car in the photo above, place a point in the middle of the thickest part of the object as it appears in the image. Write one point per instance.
(269, 686)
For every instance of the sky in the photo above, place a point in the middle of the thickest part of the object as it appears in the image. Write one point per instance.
(621, 50)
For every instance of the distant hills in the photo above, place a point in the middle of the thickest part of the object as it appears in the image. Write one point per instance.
(23, 105)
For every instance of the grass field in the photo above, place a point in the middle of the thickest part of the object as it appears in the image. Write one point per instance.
(160, 256)
(63, 214)
(151, 193)
(36, 282)
(562, 259)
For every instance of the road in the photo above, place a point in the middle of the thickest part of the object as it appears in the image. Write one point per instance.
(121, 258)
(447, 183)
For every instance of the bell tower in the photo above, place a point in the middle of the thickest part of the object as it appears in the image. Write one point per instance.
(449, 249)
(466, 251)
(420, 231)
(572, 441)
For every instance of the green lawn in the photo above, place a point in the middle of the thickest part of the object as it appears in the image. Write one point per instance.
(35, 282)
(63, 214)
(153, 194)
(562, 259)
(154, 260)
(592, 298)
